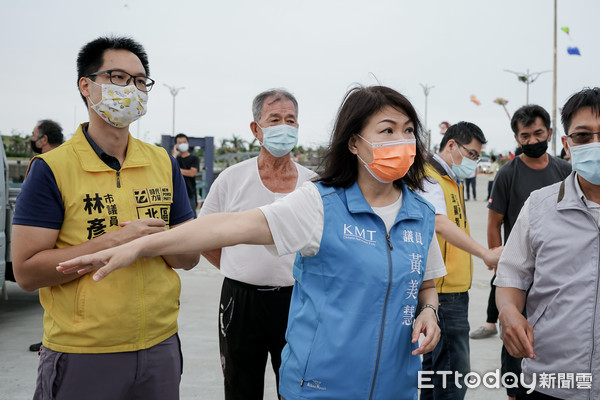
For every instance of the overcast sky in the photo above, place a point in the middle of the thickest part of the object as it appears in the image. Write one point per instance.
(226, 52)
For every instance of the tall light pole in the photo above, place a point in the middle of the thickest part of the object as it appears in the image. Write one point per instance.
(527, 78)
(174, 90)
(426, 90)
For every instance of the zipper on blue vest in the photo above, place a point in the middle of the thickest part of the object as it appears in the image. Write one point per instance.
(383, 314)
(118, 179)
(306, 365)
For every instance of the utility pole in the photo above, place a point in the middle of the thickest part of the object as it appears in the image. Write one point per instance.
(174, 90)
(426, 90)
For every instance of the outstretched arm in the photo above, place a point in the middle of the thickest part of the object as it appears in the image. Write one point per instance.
(458, 238)
(185, 261)
(34, 261)
(204, 233)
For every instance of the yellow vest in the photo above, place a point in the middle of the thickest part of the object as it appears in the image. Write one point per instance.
(135, 307)
(459, 263)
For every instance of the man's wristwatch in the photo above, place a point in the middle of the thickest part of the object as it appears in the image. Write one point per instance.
(437, 317)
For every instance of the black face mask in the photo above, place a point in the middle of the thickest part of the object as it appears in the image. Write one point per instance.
(535, 150)
(34, 148)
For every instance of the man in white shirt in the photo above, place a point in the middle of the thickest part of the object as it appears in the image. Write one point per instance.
(258, 284)
(553, 251)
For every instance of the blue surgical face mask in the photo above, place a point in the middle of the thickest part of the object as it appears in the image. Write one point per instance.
(465, 169)
(279, 140)
(585, 160)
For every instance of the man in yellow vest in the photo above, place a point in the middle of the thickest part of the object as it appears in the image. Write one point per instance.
(455, 161)
(115, 339)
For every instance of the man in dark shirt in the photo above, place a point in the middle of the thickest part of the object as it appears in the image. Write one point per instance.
(46, 135)
(189, 165)
(533, 169)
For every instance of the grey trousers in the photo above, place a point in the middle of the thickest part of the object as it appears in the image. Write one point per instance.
(148, 374)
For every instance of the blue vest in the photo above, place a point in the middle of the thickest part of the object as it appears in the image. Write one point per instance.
(350, 321)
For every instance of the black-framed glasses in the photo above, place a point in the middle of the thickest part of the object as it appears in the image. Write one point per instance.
(122, 78)
(473, 155)
(583, 137)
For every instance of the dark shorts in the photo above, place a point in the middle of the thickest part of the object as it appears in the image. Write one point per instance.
(148, 374)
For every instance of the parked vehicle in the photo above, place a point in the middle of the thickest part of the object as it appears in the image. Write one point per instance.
(484, 165)
(8, 198)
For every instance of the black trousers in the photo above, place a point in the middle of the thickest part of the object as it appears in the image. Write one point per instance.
(252, 325)
(471, 185)
(492, 310)
(536, 396)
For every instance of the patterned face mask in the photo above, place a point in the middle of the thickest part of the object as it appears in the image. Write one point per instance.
(120, 105)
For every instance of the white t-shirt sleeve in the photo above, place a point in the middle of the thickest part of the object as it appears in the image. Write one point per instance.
(435, 267)
(296, 221)
(212, 202)
(433, 193)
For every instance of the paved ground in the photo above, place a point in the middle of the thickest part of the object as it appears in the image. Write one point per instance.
(21, 325)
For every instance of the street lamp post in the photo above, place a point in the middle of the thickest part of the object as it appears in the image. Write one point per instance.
(426, 90)
(174, 90)
(527, 78)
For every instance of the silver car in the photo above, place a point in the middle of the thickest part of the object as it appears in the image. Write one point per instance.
(484, 165)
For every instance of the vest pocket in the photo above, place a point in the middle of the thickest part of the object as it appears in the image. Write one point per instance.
(310, 356)
(79, 301)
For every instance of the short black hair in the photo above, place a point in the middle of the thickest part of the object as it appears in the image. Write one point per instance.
(587, 97)
(181, 135)
(463, 133)
(527, 115)
(52, 130)
(91, 56)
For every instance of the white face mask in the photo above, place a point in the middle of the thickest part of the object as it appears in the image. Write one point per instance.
(120, 105)
(183, 147)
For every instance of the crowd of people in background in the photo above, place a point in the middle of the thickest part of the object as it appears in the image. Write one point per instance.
(353, 279)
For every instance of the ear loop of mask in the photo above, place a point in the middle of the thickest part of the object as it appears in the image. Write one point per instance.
(370, 171)
(452, 158)
(385, 144)
(263, 131)
(90, 96)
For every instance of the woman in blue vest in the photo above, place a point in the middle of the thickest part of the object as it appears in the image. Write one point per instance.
(366, 256)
